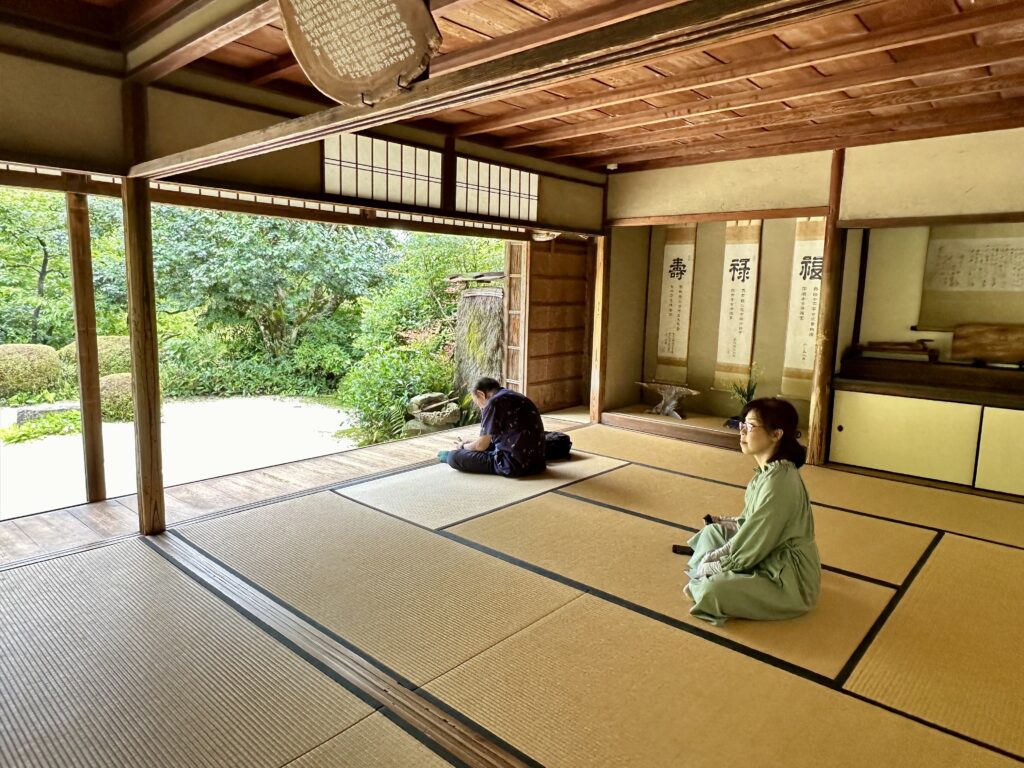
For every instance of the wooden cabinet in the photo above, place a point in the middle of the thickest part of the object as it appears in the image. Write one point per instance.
(925, 438)
(1000, 459)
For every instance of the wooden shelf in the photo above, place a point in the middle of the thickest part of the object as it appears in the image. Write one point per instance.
(949, 382)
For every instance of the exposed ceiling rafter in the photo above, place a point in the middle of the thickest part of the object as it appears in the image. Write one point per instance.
(691, 25)
(911, 33)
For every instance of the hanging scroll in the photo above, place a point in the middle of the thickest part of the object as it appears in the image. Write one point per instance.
(676, 292)
(359, 52)
(739, 302)
(804, 297)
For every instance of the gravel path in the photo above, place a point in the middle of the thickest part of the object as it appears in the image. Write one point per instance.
(201, 439)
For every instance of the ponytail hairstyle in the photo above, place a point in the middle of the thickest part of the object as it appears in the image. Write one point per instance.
(779, 414)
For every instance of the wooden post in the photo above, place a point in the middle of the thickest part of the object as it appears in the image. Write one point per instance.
(524, 317)
(599, 348)
(85, 342)
(138, 246)
(449, 172)
(828, 320)
(138, 249)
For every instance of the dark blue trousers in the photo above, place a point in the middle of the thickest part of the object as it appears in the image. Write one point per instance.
(476, 462)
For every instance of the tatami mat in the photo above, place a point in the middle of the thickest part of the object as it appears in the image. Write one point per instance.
(597, 686)
(375, 742)
(666, 452)
(978, 516)
(437, 496)
(113, 657)
(631, 558)
(951, 651)
(411, 599)
(863, 545)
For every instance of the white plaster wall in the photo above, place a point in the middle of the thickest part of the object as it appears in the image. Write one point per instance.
(953, 175)
(790, 181)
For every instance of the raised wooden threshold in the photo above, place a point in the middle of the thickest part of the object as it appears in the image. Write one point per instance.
(695, 428)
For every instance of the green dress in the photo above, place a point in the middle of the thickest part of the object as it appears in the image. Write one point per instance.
(771, 570)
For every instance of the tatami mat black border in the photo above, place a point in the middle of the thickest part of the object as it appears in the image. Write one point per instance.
(894, 601)
(401, 679)
(339, 490)
(87, 547)
(931, 528)
(213, 515)
(765, 658)
(681, 527)
(332, 486)
(642, 610)
(833, 684)
(404, 681)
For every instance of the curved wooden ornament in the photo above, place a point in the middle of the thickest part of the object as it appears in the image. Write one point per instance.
(360, 52)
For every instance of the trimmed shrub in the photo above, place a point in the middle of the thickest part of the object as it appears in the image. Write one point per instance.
(115, 354)
(116, 397)
(27, 368)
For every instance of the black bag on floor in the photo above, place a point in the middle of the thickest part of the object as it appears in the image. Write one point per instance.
(557, 445)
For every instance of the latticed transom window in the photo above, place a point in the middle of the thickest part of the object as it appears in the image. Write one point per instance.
(495, 190)
(378, 169)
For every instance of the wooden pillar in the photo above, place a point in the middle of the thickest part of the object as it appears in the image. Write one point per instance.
(449, 174)
(138, 249)
(85, 342)
(828, 320)
(599, 346)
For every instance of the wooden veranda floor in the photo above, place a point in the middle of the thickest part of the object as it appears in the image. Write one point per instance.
(56, 530)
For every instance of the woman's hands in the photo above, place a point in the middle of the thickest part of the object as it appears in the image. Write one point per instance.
(708, 567)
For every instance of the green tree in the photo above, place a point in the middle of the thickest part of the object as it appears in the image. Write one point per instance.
(35, 279)
(110, 282)
(416, 300)
(278, 275)
(35, 287)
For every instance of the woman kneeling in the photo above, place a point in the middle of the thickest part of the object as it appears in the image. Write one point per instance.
(763, 564)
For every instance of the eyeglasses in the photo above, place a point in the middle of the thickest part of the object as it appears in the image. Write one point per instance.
(747, 427)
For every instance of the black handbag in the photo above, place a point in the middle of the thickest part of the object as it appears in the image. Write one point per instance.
(557, 445)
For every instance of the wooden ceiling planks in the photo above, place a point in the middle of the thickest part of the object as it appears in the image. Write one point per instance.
(909, 62)
(680, 120)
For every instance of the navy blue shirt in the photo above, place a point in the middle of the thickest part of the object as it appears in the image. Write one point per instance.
(516, 430)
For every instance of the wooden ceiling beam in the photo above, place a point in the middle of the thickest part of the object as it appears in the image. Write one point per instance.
(284, 64)
(937, 122)
(912, 33)
(205, 29)
(797, 115)
(692, 25)
(90, 23)
(440, 6)
(554, 30)
(927, 65)
(140, 17)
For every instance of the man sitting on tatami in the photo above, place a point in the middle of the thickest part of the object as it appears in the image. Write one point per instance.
(511, 441)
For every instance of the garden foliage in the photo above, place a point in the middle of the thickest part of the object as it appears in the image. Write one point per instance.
(246, 305)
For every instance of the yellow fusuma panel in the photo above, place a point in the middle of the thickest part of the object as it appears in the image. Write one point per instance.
(926, 438)
(1000, 466)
